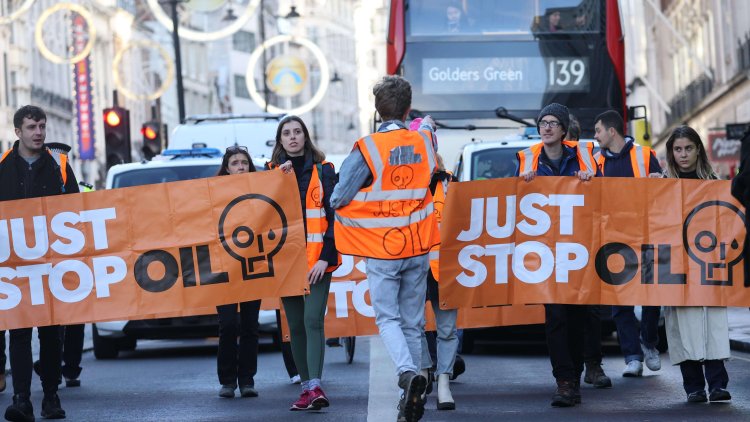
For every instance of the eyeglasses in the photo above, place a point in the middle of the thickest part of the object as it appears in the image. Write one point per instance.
(553, 124)
(236, 148)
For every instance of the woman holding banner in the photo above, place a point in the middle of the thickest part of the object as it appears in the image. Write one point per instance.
(237, 367)
(316, 178)
(698, 336)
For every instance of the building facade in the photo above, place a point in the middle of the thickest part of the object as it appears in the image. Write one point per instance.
(690, 62)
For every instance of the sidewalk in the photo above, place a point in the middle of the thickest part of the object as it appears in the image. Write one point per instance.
(739, 329)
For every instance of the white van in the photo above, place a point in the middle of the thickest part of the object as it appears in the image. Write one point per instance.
(111, 337)
(255, 131)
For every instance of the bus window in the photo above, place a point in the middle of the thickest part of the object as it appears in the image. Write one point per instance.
(501, 17)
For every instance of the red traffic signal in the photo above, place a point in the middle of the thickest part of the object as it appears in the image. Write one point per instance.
(149, 133)
(117, 135)
(152, 143)
(112, 118)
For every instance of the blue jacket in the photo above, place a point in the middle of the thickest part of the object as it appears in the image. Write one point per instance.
(619, 165)
(568, 166)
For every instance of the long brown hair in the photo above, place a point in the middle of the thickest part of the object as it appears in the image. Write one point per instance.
(703, 167)
(278, 150)
(234, 150)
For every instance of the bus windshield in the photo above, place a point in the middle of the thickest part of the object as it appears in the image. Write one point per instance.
(451, 18)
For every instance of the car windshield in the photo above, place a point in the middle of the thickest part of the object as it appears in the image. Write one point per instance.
(494, 163)
(150, 176)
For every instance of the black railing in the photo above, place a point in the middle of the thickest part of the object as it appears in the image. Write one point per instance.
(687, 100)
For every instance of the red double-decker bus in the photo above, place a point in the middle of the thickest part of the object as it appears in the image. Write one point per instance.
(475, 61)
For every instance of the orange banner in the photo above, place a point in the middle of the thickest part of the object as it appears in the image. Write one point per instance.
(175, 248)
(350, 311)
(613, 241)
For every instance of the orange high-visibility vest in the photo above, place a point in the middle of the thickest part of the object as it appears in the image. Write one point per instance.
(60, 159)
(528, 159)
(394, 217)
(640, 158)
(439, 199)
(315, 216)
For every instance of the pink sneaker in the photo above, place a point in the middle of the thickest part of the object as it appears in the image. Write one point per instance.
(318, 398)
(304, 402)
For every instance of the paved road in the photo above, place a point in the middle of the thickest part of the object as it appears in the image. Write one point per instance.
(176, 381)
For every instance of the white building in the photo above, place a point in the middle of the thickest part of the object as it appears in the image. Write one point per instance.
(371, 21)
(692, 63)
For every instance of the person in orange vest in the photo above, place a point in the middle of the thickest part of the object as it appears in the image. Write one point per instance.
(316, 178)
(385, 213)
(620, 156)
(31, 170)
(564, 324)
(592, 333)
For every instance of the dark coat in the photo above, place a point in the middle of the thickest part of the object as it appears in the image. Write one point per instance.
(19, 180)
(304, 173)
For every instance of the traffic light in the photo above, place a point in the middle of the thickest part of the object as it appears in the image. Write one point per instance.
(117, 135)
(152, 143)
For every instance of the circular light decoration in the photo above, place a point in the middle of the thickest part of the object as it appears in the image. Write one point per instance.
(159, 91)
(18, 12)
(286, 75)
(319, 57)
(46, 52)
(193, 35)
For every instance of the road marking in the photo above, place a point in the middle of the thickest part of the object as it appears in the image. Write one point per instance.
(384, 392)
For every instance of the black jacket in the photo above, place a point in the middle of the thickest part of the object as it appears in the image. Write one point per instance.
(329, 253)
(20, 180)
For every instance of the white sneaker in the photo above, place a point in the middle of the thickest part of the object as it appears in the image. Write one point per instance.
(634, 368)
(295, 379)
(651, 356)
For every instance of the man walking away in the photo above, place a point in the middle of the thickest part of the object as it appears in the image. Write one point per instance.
(385, 213)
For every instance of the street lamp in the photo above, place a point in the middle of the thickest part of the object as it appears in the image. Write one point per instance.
(177, 57)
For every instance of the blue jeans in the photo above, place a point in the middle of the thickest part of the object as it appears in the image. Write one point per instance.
(397, 292)
(628, 330)
(447, 341)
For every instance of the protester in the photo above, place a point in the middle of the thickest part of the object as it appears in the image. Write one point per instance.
(741, 191)
(622, 157)
(592, 331)
(237, 366)
(294, 150)
(445, 319)
(393, 166)
(563, 323)
(698, 336)
(31, 170)
(286, 354)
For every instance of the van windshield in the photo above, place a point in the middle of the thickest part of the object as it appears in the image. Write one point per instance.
(152, 176)
(494, 163)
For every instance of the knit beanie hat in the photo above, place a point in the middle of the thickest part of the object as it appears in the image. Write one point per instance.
(557, 110)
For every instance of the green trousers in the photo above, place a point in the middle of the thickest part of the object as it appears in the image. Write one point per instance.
(305, 315)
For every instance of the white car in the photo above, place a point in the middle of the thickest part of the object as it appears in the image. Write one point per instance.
(173, 165)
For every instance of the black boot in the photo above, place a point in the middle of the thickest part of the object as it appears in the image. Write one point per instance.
(21, 410)
(564, 394)
(595, 375)
(51, 408)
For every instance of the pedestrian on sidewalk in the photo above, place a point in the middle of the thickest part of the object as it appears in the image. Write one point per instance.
(445, 319)
(31, 170)
(564, 324)
(385, 214)
(237, 366)
(698, 336)
(592, 331)
(316, 178)
(620, 156)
